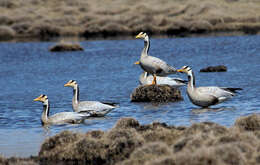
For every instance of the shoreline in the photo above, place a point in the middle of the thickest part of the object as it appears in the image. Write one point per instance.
(129, 142)
(108, 18)
(124, 37)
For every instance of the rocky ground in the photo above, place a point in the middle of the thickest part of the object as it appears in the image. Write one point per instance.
(129, 143)
(105, 18)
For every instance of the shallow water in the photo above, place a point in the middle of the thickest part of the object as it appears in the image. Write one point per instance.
(105, 72)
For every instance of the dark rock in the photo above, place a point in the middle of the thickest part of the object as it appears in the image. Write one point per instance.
(219, 68)
(66, 47)
(156, 93)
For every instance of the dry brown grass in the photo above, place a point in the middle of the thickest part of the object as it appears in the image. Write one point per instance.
(115, 17)
(6, 33)
(129, 142)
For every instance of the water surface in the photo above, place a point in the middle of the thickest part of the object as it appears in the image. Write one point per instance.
(105, 72)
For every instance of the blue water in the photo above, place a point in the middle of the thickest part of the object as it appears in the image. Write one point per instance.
(105, 72)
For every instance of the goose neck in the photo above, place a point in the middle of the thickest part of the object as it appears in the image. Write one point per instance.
(191, 80)
(45, 112)
(146, 47)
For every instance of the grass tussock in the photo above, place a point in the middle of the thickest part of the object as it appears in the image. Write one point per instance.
(129, 142)
(219, 68)
(112, 18)
(66, 46)
(156, 93)
(6, 33)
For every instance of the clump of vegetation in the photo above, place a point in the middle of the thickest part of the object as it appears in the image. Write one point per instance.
(66, 46)
(156, 93)
(219, 68)
(249, 123)
(129, 142)
(114, 17)
(6, 33)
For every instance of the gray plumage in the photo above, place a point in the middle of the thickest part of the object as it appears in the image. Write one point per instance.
(146, 79)
(206, 96)
(150, 64)
(94, 108)
(58, 118)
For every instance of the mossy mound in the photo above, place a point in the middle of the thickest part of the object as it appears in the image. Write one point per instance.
(219, 68)
(60, 47)
(129, 142)
(249, 123)
(6, 33)
(156, 93)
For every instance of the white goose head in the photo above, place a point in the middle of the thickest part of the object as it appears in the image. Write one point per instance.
(43, 99)
(142, 35)
(185, 69)
(71, 83)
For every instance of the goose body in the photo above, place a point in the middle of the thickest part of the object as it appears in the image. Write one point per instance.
(146, 79)
(206, 96)
(94, 108)
(58, 118)
(153, 65)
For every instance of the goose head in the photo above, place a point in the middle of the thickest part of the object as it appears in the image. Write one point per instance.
(71, 83)
(42, 98)
(142, 35)
(185, 69)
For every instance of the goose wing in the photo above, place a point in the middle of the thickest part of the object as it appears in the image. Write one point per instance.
(157, 66)
(95, 108)
(220, 93)
(175, 82)
(146, 79)
(67, 117)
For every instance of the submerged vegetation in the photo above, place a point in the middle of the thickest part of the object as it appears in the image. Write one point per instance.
(66, 46)
(129, 142)
(54, 18)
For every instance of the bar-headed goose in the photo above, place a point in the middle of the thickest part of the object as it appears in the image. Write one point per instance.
(153, 65)
(147, 79)
(58, 118)
(206, 96)
(96, 108)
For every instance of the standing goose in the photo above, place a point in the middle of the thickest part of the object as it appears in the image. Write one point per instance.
(206, 96)
(96, 108)
(153, 65)
(146, 79)
(58, 118)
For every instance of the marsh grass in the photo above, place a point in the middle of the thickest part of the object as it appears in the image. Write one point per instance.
(65, 46)
(130, 143)
(116, 17)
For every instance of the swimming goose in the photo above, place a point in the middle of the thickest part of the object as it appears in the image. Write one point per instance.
(206, 96)
(58, 118)
(96, 108)
(153, 65)
(146, 79)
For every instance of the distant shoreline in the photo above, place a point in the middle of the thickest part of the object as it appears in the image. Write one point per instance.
(122, 37)
(49, 19)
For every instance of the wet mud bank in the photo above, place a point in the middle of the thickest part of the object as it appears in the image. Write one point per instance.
(129, 142)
